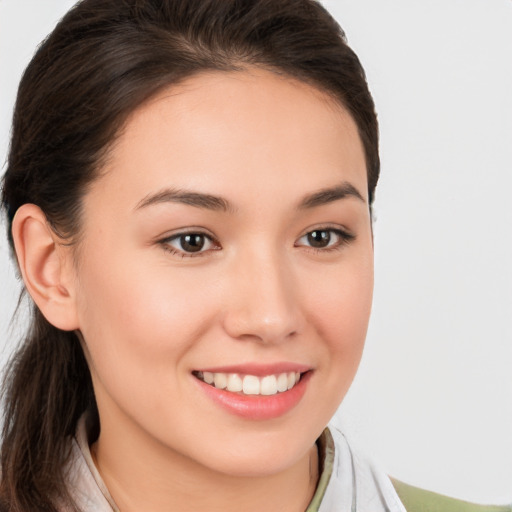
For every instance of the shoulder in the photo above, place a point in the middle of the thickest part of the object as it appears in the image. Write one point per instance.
(420, 500)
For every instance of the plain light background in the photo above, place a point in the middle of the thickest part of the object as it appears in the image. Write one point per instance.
(433, 398)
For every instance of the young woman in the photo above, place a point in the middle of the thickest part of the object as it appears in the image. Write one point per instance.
(189, 193)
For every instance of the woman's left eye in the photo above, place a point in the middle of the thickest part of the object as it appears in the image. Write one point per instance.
(189, 244)
(325, 238)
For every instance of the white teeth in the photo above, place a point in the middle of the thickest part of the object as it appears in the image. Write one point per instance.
(269, 385)
(282, 382)
(220, 380)
(235, 383)
(251, 384)
(291, 380)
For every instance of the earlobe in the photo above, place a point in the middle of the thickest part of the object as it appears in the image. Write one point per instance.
(45, 266)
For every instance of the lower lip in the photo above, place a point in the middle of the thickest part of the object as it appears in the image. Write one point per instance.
(258, 407)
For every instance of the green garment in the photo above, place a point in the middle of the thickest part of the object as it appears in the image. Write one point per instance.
(419, 500)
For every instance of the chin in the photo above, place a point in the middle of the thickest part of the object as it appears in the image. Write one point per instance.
(265, 456)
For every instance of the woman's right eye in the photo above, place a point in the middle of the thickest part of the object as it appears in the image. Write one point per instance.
(189, 244)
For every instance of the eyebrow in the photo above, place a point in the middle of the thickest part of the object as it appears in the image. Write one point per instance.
(329, 195)
(216, 203)
(197, 199)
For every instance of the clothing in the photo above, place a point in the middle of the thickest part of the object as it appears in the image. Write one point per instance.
(347, 483)
(420, 500)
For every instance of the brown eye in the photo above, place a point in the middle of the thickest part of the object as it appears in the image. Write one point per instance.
(325, 239)
(319, 238)
(194, 242)
(189, 244)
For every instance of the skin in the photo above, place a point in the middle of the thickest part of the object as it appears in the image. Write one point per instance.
(150, 314)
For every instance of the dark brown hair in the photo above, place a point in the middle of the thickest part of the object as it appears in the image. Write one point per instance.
(102, 61)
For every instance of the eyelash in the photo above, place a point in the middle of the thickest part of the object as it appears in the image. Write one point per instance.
(183, 254)
(344, 238)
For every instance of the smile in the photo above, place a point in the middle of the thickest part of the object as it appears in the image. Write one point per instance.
(266, 385)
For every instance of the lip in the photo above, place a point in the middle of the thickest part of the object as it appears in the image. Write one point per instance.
(256, 407)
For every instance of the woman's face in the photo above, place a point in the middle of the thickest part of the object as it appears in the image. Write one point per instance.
(229, 239)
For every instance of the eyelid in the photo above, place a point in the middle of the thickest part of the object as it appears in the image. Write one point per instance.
(182, 231)
(338, 228)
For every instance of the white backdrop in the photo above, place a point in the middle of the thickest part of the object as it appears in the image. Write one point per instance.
(433, 398)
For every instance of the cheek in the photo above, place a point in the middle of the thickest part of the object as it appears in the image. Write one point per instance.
(340, 311)
(342, 303)
(137, 318)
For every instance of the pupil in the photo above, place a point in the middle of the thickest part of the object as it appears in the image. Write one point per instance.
(319, 238)
(192, 243)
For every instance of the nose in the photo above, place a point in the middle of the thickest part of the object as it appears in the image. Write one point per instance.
(263, 301)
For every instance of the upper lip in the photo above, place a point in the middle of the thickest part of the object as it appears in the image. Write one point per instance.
(258, 369)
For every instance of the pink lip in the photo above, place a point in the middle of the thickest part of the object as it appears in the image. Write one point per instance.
(259, 370)
(256, 407)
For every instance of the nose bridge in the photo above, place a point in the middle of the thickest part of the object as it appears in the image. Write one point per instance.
(263, 302)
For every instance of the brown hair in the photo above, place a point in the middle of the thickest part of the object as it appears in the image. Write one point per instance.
(102, 61)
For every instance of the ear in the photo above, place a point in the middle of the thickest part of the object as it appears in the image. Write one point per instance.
(46, 266)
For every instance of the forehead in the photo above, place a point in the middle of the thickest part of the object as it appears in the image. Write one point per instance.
(253, 128)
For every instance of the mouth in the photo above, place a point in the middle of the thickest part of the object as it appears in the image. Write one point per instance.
(256, 392)
(266, 385)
